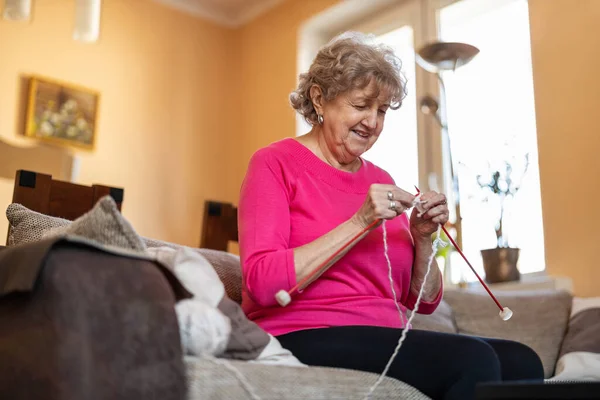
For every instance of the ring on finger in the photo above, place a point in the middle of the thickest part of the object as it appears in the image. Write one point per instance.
(392, 205)
(390, 195)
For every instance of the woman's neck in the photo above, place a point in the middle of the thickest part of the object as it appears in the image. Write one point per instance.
(316, 142)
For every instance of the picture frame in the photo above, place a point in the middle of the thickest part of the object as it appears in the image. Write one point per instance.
(62, 113)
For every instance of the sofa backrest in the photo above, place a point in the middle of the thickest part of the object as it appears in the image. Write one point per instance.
(540, 318)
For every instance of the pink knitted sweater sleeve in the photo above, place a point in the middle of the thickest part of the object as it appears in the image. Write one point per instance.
(267, 260)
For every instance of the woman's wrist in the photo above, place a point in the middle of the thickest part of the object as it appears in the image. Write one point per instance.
(360, 223)
(421, 240)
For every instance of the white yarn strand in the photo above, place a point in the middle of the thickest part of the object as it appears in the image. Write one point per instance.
(387, 259)
(437, 242)
(238, 374)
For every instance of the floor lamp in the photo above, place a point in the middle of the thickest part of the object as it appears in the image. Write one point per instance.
(438, 57)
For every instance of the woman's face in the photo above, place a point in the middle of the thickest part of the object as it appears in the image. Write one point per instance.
(353, 121)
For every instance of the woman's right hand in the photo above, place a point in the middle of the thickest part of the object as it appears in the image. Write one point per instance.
(382, 202)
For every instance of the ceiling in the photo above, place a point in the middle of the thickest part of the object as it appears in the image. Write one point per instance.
(230, 13)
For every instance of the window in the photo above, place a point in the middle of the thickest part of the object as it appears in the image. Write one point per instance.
(489, 106)
(491, 118)
(396, 149)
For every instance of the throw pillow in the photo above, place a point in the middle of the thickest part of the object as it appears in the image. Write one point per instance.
(26, 226)
(579, 357)
(104, 224)
(539, 321)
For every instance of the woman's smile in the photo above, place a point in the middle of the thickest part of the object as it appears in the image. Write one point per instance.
(361, 135)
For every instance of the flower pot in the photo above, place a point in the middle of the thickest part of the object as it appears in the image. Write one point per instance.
(500, 264)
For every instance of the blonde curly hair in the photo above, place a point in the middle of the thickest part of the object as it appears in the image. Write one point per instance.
(349, 61)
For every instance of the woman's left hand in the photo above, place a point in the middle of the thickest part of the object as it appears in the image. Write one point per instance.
(435, 213)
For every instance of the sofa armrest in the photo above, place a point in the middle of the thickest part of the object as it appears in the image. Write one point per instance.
(95, 325)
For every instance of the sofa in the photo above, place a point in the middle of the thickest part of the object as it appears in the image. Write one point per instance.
(85, 319)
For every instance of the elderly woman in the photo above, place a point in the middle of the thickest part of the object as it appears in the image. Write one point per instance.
(303, 198)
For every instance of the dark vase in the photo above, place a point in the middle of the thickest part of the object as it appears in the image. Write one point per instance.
(500, 264)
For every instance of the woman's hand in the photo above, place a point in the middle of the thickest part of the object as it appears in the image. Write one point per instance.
(382, 202)
(435, 213)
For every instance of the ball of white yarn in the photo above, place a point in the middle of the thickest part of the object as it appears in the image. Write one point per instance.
(204, 330)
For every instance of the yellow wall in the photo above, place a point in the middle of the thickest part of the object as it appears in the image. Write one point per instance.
(269, 49)
(565, 41)
(167, 83)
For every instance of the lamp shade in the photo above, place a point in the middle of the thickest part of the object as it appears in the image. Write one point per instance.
(445, 56)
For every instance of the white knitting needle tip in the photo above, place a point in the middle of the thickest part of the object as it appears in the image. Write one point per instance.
(283, 298)
(506, 313)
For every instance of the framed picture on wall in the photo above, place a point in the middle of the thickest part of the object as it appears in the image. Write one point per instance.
(62, 113)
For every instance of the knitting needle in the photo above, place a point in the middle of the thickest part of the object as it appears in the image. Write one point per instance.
(505, 312)
(285, 297)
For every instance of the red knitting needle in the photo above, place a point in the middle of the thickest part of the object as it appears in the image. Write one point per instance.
(505, 312)
(284, 298)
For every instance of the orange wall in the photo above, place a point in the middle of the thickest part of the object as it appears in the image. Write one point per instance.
(268, 47)
(167, 85)
(565, 41)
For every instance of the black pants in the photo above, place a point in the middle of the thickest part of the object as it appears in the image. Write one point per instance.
(442, 366)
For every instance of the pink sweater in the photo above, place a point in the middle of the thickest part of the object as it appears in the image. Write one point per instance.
(290, 197)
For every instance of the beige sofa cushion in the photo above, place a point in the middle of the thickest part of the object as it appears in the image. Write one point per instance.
(540, 319)
(208, 381)
(441, 320)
